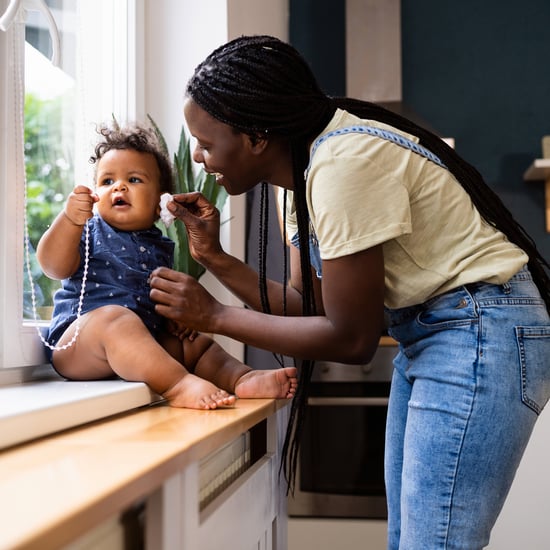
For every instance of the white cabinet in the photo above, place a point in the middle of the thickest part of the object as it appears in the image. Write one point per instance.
(71, 490)
(249, 514)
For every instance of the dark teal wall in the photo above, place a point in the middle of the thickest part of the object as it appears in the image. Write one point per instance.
(475, 70)
(317, 29)
(480, 72)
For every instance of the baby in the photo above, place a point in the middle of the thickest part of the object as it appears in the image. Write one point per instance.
(119, 331)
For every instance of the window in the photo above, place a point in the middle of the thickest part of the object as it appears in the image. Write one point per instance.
(47, 120)
(104, 47)
(49, 141)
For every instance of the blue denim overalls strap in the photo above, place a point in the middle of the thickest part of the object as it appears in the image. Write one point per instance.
(388, 135)
(394, 137)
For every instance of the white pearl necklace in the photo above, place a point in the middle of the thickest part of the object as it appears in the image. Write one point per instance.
(82, 288)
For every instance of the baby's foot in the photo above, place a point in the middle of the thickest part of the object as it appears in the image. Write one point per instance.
(192, 392)
(277, 383)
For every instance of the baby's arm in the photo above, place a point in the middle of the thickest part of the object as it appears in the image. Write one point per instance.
(58, 249)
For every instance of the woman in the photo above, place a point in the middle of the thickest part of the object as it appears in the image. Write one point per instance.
(381, 216)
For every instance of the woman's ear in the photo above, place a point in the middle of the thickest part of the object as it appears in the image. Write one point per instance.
(258, 142)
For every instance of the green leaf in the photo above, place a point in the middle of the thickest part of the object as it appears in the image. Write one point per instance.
(159, 135)
(181, 180)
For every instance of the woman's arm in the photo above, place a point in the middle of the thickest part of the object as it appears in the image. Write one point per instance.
(58, 249)
(202, 221)
(243, 281)
(348, 332)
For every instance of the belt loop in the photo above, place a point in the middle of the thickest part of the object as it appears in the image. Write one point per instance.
(506, 288)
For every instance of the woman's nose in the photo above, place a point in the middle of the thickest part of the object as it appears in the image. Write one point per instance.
(197, 155)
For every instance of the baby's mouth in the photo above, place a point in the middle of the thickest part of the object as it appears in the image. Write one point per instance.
(119, 202)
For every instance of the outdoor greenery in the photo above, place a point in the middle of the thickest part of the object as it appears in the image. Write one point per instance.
(49, 173)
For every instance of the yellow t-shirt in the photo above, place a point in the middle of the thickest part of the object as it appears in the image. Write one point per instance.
(363, 190)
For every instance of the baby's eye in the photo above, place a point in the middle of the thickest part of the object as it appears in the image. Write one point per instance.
(134, 179)
(106, 181)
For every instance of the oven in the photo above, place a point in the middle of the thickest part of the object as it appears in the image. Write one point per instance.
(340, 471)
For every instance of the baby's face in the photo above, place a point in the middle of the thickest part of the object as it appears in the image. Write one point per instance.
(128, 186)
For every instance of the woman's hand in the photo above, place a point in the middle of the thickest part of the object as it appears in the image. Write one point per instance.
(202, 220)
(183, 300)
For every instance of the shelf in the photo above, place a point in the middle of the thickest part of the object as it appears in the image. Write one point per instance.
(387, 341)
(540, 171)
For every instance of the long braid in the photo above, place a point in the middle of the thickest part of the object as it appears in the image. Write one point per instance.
(262, 86)
(266, 88)
(262, 252)
(285, 252)
(262, 259)
(298, 407)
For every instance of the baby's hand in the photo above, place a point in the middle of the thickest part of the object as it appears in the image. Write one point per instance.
(79, 205)
(180, 331)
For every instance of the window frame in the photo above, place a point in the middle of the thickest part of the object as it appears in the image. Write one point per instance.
(108, 57)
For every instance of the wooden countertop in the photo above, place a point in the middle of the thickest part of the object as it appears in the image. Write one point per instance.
(54, 489)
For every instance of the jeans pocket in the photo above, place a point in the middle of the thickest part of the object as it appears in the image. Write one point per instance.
(534, 353)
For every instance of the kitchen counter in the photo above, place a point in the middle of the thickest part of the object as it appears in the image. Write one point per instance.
(55, 489)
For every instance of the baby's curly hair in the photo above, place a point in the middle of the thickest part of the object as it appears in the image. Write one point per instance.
(137, 138)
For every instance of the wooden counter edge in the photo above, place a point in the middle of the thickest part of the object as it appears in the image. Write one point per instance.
(38, 526)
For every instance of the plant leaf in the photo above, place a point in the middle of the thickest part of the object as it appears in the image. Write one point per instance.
(159, 135)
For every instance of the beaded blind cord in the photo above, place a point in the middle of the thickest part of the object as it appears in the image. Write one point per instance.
(21, 122)
(82, 288)
(82, 92)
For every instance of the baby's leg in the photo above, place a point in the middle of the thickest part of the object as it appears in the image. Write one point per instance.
(209, 360)
(114, 340)
(276, 383)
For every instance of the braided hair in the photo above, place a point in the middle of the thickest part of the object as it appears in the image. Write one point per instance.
(260, 85)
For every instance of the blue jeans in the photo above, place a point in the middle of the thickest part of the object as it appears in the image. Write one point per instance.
(471, 377)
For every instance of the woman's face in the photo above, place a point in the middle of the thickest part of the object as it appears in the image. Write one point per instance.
(228, 154)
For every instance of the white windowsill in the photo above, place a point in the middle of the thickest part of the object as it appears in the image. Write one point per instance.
(33, 409)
